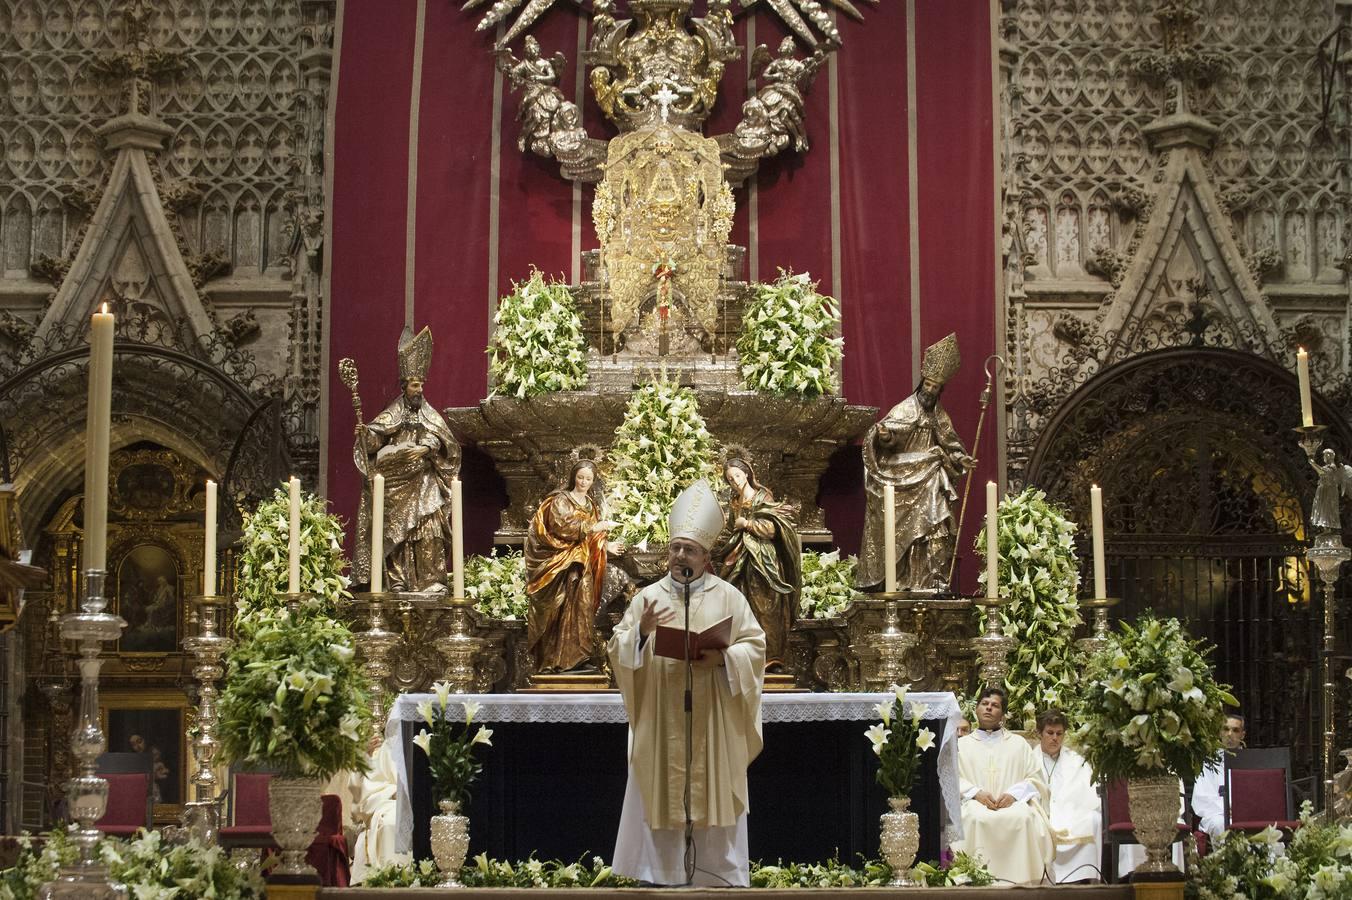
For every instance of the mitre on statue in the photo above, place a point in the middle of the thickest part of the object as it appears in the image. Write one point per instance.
(415, 354)
(940, 360)
(696, 515)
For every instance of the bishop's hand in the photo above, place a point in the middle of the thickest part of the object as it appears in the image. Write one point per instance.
(652, 617)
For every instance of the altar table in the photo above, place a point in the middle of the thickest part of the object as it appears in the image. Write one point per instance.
(553, 781)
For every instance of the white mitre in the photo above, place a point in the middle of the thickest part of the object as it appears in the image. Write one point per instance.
(697, 515)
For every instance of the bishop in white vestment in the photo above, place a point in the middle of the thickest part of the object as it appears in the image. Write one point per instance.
(1076, 810)
(726, 706)
(1004, 798)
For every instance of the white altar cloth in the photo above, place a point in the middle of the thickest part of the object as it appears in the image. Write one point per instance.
(609, 708)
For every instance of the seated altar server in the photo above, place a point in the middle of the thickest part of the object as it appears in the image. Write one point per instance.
(373, 812)
(1208, 801)
(726, 722)
(1076, 816)
(1004, 797)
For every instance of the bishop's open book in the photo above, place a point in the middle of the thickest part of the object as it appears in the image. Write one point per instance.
(670, 642)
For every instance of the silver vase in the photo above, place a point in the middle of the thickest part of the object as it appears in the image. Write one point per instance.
(1153, 804)
(900, 840)
(296, 809)
(450, 842)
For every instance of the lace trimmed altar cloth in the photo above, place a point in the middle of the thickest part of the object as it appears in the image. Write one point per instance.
(609, 709)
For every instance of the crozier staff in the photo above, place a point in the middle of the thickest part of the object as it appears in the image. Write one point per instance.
(726, 718)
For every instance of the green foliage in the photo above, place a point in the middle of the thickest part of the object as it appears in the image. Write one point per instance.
(1150, 703)
(964, 870)
(1039, 577)
(898, 740)
(790, 342)
(1317, 865)
(830, 874)
(295, 697)
(537, 345)
(263, 556)
(151, 869)
(450, 745)
(828, 584)
(484, 872)
(661, 448)
(497, 584)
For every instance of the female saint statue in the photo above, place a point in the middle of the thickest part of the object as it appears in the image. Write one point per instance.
(763, 558)
(1335, 480)
(565, 554)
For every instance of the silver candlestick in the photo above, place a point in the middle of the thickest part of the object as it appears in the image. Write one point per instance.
(375, 643)
(1098, 636)
(87, 793)
(1327, 557)
(461, 647)
(890, 645)
(993, 647)
(201, 815)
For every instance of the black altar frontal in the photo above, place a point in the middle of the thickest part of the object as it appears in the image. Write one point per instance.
(553, 783)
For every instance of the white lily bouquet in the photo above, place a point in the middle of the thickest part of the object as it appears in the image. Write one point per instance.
(661, 448)
(1038, 576)
(790, 342)
(537, 345)
(450, 744)
(1150, 703)
(828, 584)
(497, 585)
(899, 741)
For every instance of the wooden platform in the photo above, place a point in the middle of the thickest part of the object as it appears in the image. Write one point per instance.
(1069, 892)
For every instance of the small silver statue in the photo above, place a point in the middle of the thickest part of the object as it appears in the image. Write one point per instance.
(1335, 482)
(410, 444)
(915, 449)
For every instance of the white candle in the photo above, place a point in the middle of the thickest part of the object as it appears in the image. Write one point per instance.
(992, 541)
(293, 539)
(97, 423)
(209, 543)
(1096, 513)
(457, 541)
(1303, 372)
(378, 534)
(889, 538)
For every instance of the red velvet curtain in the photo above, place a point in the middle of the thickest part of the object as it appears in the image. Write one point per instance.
(848, 199)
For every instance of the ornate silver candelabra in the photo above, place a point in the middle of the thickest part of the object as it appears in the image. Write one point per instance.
(87, 793)
(201, 815)
(375, 643)
(1098, 636)
(993, 647)
(460, 647)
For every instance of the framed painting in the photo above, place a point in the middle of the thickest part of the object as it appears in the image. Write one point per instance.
(148, 595)
(154, 722)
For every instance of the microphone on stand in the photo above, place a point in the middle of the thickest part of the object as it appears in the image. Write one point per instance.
(688, 574)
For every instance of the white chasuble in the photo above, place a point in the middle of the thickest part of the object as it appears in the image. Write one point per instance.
(1015, 842)
(1076, 817)
(726, 737)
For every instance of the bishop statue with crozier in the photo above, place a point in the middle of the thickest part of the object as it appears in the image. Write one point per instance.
(726, 713)
(411, 445)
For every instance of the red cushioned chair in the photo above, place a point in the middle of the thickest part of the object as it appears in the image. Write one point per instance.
(126, 812)
(1259, 798)
(1117, 827)
(251, 826)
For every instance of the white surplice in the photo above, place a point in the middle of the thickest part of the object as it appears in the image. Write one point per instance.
(1206, 798)
(726, 738)
(373, 813)
(1076, 817)
(1015, 842)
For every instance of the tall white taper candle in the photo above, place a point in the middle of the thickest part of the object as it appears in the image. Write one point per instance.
(97, 424)
(992, 540)
(1303, 373)
(209, 543)
(378, 534)
(889, 538)
(293, 539)
(1096, 514)
(457, 541)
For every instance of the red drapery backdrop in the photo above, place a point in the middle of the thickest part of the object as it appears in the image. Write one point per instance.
(429, 190)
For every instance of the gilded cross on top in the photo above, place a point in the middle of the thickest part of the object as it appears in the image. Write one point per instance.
(665, 96)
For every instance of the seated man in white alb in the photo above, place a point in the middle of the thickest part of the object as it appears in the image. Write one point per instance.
(1206, 790)
(1004, 797)
(1076, 816)
(373, 812)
